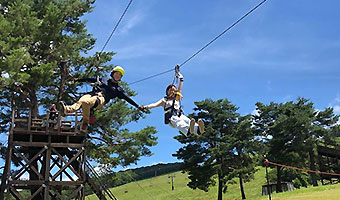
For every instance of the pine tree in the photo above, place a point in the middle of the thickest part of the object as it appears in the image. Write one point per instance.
(221, 151)
(293, 131)
(247, 147)
(43, 47)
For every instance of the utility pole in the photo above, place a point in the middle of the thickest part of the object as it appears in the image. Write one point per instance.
(172, 181)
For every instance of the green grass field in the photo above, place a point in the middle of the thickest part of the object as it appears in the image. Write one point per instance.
(159, 188)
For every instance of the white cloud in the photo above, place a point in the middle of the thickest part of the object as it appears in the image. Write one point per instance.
(268, 85)
(102, 168)
(131, 22)
(287, 98)
(149, 46)
(337, 99)
(336, 108)
(255, 112)
(4, 75)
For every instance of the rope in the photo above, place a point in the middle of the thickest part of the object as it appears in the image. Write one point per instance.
(226, 30)
(150, 181)
(154, 185)
(140, 186)
(115, 28)
(108, 39)
(205, 46)
(266, 161)
(151, 76)
(103, 186)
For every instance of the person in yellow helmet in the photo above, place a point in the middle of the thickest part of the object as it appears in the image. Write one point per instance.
(173, 112)
(104, 92)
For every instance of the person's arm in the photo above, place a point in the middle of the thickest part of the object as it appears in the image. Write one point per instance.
(154, 105)
(89, 80)
(129, 100)
(122, 95)
(180, 85)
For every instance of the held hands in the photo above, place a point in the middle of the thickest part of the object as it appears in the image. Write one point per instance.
(143, 109)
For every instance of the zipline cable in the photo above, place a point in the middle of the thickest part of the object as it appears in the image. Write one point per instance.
(205, 46)
(175, 197)
(109, 38)
(266, 162)
(115, 28)
(135, 181)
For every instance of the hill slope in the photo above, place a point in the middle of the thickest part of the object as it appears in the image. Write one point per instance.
(159, 188)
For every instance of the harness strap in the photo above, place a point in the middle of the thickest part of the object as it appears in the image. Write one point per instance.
(96, 104)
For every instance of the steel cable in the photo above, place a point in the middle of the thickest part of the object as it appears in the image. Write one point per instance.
(205, 46)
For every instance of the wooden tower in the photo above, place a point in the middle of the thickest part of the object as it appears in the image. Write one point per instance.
(329, 161)
(46, 158)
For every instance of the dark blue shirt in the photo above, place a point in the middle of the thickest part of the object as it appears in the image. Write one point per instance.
(110, 90)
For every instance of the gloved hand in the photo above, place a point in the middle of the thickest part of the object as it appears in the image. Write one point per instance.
(143, 109)
(178, 74)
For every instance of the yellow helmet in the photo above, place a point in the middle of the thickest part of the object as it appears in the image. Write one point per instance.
(118, 69)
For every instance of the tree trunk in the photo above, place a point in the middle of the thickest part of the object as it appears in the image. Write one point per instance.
(241, 187)
(63, 70)
(34, 108)
(312, 167)
(278, 179)
(220, 185)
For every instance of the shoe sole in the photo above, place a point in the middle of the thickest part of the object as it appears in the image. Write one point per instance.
(62, 109)
(201, 126)
(192, 126)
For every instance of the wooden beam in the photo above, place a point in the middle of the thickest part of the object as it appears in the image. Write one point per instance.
(27, 164)
(27, 161)
(42, 144)
(67, 164)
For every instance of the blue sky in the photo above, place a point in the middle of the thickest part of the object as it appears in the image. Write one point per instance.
(284, 50)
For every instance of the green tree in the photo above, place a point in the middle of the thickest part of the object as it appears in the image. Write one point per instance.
(292, 132)
(247, 147)
(43, 46)
(221, 151)
(282, 125)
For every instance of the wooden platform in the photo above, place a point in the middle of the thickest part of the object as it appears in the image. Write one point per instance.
(45, 157)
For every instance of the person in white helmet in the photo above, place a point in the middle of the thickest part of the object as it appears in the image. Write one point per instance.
(173, 112)
(104, 92)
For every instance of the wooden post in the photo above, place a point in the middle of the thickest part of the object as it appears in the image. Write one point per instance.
(268, 185)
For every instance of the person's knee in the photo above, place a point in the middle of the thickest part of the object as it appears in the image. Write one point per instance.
(85, 104)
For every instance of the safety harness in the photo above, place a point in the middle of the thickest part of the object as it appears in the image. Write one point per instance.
(95, 90)
(172, 111)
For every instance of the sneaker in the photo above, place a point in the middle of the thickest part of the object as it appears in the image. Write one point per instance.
(192, 126)
(62, 108)
(84, 126)
(201, 126)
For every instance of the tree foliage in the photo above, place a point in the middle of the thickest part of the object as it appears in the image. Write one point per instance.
(292, 131)
(225, 150)
(43, 47)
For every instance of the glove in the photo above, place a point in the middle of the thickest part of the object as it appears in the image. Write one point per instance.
(143, 109)
(178, 74)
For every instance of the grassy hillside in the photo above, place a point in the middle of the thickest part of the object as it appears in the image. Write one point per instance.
(159, 188)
